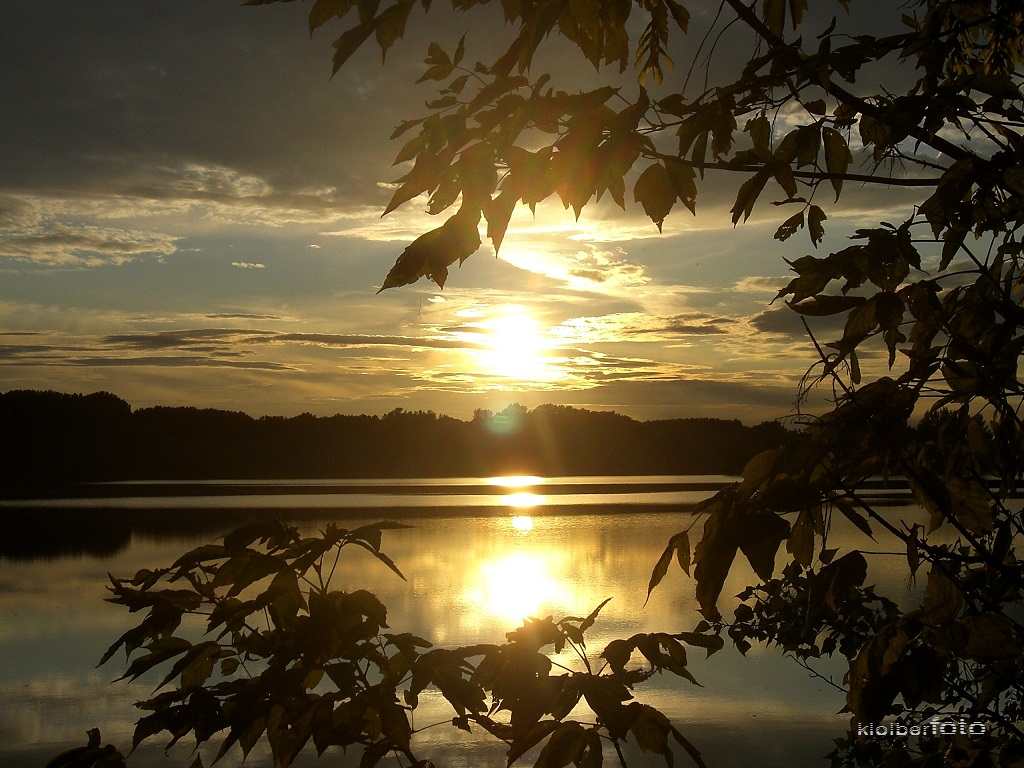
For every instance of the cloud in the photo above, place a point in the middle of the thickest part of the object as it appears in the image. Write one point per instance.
(228, 338)
(40, 240)
(785, 321)
(638, 326)
(756, 284)
(248, 265)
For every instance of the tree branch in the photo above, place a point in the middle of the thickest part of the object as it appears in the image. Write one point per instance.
(938, 143)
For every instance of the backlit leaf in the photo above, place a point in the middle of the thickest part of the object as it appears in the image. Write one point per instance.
(431, 254)
(748, 194)
(655, 191)
(837, 157)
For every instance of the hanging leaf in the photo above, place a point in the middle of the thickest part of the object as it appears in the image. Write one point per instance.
(814, 218)
(837, 157)
(759, 536)
(431, 254)
(655, 191)
(747, 195)
(348, 44)
(714, 554)
(790, 226)
(801, 539)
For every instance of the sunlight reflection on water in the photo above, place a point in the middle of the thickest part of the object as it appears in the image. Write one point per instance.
(470, 580)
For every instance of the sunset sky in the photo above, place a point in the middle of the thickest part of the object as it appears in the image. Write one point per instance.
(190, 215)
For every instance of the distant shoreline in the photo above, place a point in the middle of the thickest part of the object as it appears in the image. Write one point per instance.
(89, 519)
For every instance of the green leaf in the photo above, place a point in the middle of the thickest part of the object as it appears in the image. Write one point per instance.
(990, 637)
(460, 51)
(840, 578)
(565, 746)
(498, 213)
(760, 131)
(801, 539)
(824, 304)
(943, 598)
(682, 177)
(159, 651)
(390, 26)
(691, 750)
(651, 729)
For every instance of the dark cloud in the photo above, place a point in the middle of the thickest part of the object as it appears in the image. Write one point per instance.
(176, 362)
(14, 352)
(54, 243)
(240, 316)
(184, 338)
(341, 340)
(697, 324)
(202, 337)
(139, 98)
(787, 322)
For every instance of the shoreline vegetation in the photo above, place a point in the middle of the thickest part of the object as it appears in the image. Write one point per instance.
(55, 440)
(83, 474)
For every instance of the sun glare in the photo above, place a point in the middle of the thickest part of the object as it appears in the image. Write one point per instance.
(522, 500)
(515, 347)
(516, 586)
(516, 481)
(522, 523)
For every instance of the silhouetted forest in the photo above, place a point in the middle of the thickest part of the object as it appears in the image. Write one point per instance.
(50, 438)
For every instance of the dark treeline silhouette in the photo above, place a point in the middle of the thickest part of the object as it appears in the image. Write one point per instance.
(50, 438)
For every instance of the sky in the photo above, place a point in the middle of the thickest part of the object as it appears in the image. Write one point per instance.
(190, 214)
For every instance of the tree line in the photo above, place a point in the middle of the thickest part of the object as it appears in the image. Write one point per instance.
(51, 438)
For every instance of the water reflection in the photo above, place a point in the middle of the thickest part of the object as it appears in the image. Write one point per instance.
(516, 586)
(522, 523)
(516, 481)
(522, 499)
(470, 580)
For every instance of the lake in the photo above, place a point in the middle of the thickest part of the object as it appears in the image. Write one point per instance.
(480, 555)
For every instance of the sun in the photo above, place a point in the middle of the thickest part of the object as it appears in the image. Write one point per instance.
(515, 346)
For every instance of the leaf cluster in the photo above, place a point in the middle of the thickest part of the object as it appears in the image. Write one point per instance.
(495, 138)
(284, 657)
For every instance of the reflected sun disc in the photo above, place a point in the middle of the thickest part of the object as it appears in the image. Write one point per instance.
(515, 587)
(522, 523)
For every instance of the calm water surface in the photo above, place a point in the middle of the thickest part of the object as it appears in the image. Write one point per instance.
(470, 579)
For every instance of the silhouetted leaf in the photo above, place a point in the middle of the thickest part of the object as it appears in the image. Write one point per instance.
(431, 254)
(714, 554)
(747, 195)
(814, 218)
(655, 191)
(837, 157)
(790, 226)
(853, 516)
(759, 536)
